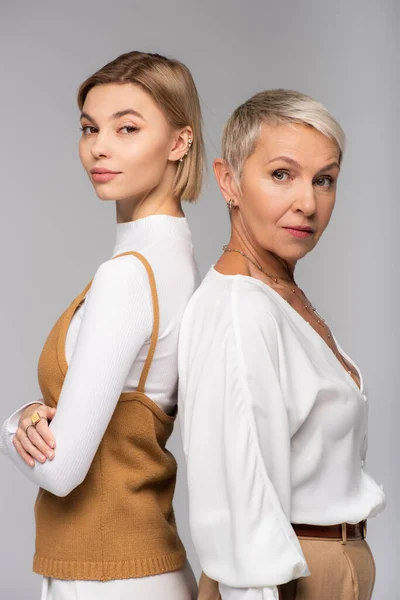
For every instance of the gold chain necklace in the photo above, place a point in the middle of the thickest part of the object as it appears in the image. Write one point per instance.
(331, 344)
(259, 267)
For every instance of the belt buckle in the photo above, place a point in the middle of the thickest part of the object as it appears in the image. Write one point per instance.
(364, 529)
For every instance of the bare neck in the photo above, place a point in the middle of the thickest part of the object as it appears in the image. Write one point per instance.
(270, 262)
(159, 200)
(133, 210)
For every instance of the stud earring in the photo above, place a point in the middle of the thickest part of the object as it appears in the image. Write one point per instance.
(231, 204)
(190, 142)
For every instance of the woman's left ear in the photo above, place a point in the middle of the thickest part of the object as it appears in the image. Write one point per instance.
(183, 144)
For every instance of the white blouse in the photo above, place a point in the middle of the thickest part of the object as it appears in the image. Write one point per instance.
(274, 432)
(106, 347)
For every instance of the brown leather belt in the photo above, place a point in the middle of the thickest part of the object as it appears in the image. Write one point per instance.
(344, 531)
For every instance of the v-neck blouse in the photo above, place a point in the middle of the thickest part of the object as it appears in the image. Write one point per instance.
(311, 331)
(274, 432)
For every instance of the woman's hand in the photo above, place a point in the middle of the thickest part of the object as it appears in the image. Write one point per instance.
(35, 442)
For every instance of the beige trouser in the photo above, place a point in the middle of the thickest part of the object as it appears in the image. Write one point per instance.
(338, 572)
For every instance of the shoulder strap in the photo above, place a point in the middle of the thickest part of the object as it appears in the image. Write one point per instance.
(156, 321)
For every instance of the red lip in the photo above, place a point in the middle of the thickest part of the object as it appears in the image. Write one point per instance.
(100, 171)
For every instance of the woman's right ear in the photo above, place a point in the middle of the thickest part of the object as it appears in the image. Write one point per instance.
(225, 180)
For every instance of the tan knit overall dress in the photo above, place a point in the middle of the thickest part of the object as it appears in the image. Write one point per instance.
(119, 522)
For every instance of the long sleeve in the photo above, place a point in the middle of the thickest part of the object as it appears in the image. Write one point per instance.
(118, 320)
(236, 441)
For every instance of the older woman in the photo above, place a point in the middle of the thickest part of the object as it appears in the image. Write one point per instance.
(273, 411)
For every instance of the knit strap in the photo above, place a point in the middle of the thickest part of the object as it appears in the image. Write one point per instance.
(156, 322)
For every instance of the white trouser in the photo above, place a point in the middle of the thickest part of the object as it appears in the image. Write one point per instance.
(178, 585)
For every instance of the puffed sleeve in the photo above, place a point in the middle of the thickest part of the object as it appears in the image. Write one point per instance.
(236, 441)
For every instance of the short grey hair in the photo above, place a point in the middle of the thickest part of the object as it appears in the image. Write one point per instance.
(275, 107)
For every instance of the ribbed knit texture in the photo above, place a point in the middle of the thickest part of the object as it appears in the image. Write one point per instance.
(119, 522)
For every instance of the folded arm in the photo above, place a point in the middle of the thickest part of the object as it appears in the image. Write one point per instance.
(117, 321)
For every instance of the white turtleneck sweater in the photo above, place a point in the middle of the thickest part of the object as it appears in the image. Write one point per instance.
(106, 346)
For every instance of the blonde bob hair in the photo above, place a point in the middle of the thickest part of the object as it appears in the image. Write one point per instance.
(170, 84)
(273, 107)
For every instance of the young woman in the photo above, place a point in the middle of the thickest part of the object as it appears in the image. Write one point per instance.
(273, 411)
(105, 525)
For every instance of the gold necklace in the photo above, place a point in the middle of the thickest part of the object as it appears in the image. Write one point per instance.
(330, 342)
(259, 267)
(276, 279)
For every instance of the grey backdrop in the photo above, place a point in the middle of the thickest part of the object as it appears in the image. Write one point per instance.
(54, 231)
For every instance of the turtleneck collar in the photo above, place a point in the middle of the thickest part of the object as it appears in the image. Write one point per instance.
(131, 235)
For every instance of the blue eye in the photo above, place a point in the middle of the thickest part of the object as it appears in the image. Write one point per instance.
(280, 175)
